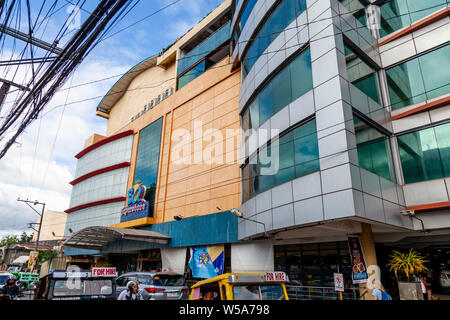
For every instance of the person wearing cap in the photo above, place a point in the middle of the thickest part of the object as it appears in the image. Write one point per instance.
(132, 292)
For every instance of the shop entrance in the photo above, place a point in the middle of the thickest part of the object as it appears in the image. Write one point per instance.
(123, 262)
(150, 260)
(314, 264)
(438, 274)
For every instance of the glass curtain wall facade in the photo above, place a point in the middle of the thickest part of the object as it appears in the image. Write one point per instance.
(284, 13)
(419, 79)
(290, 83)
(397, 14)
(240, 24)
(357, 9)
(425, 154)
(147, 162)
(298, 156)
(361, 74)
(374, 153)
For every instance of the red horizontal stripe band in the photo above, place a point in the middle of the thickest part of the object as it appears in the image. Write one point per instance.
(95, 203)
(419, 25)
(100, 171)
(431, 206)
(103, 142)
(432, 105)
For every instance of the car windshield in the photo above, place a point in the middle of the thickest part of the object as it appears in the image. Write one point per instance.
(168, 280)
(258, 292)
(3, 279)
(65, 288)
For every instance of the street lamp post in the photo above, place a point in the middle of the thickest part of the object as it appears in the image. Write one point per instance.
(238, 214)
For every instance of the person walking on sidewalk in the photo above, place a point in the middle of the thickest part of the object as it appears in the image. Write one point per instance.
(379, 293)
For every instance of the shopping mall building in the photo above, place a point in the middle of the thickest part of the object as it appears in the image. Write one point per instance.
(316, 119)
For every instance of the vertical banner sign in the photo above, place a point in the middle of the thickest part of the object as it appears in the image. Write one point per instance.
(359, 268)
(32, 260)
(339, 282)
(207, 262)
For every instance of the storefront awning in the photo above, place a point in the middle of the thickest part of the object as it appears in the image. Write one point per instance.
(97, 237)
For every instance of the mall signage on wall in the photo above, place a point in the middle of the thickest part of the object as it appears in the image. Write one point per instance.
(137, 207)
(155, 101)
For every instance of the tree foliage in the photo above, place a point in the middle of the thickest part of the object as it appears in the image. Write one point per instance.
(23, 238)
(410, 263)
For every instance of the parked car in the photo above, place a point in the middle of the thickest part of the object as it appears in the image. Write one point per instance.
(444, 277)
(156, 285)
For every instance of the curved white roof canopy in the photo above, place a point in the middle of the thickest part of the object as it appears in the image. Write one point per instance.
(95, 238)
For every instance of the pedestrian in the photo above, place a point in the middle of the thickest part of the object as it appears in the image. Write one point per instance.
(379, 293)
(426, 287)
(132, 292)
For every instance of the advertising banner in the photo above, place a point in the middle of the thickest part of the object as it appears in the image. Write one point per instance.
(207, 262)
(32, 260)
(359, 268)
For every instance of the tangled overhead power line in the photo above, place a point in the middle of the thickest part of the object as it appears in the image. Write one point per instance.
(56, 66)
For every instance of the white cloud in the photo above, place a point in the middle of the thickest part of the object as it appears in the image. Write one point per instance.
(22, 171)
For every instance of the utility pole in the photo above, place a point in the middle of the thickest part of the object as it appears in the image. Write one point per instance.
(27, 202)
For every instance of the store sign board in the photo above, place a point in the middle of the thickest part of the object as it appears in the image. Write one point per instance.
(137, 206)
(339, 282)
(359, 267)
(104, 272)
(276, 276)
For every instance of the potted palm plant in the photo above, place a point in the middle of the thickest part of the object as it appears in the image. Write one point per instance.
(406, 267)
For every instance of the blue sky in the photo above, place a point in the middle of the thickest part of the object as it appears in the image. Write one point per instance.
(42, 164)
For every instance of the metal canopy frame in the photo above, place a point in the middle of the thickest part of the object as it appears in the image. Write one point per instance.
(95, 238)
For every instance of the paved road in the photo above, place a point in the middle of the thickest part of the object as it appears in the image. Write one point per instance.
(28, 295)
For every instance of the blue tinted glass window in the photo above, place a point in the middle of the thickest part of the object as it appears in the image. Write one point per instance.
(298, 155)
(291, 82)
(203, 49)
(425, 154)
(419, 79)
(361, 74)
(373, 149)
(190, 75)
(357, 9)
(397, 14)
(147, 162)
(242, 21)
(284, 13)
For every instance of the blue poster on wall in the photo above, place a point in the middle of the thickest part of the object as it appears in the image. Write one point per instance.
(207, 262)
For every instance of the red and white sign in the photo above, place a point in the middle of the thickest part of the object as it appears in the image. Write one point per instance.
(104, 272)
(276, 276)
(339, 282)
